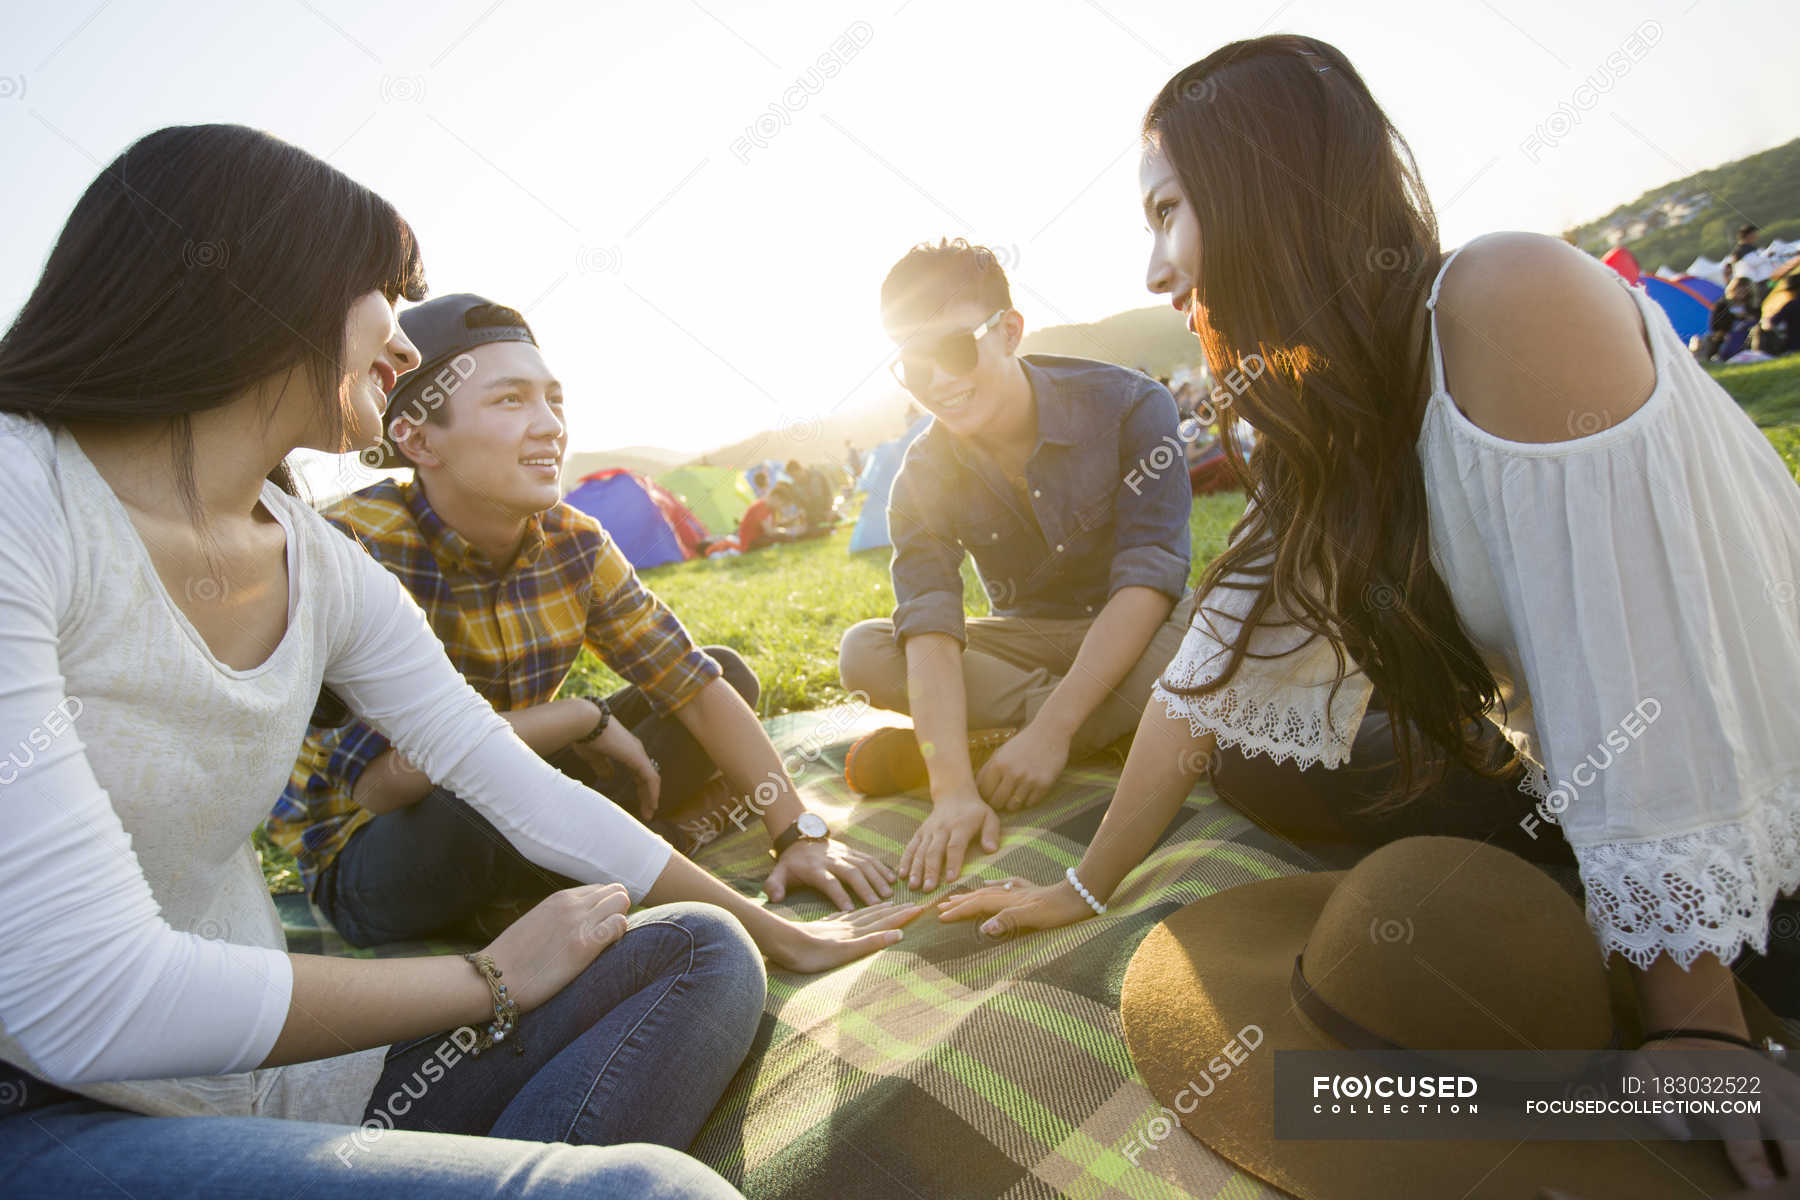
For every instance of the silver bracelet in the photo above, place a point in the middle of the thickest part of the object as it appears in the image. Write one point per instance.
(1075, 882)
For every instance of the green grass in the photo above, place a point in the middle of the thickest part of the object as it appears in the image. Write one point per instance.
(1769, 392)
(786, 607)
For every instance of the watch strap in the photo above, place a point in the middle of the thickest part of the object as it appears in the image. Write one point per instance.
(790, 835)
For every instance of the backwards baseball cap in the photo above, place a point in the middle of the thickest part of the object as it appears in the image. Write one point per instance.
(444, 330)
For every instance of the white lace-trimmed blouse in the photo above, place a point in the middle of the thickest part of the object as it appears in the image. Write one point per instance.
(1634, 593)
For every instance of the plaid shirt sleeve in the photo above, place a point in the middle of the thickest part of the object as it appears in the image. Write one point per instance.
(638, 636)
(316, 815)
(353, 747)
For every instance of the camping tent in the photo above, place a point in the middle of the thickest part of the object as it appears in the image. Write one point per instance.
(878, 474)
(1687, 311)
(1623, 261)
(1704, 288)
(649, 525)
(1705, 268)
(762, 476)
(1767, 262)
(688, 528)
(716, 495)
(1687, 306)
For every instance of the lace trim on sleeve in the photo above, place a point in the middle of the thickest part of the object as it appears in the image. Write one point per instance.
(1281, 701)
(1705, 891)
(1280, 727)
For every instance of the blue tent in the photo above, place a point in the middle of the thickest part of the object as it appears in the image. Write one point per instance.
(764, 475)
(1706, 289)
(877, 479)
(619, 502)
(1687, 312)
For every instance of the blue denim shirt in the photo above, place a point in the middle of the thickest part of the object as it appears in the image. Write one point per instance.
(1106, 508)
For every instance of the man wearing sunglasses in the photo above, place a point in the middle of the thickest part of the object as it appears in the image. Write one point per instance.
(1043, 469)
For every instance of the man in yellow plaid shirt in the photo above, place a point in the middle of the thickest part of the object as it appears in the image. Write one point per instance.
(515, 582)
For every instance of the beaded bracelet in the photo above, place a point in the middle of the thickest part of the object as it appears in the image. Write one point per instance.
(1075, 882)
(506, 1013)
(600, 725)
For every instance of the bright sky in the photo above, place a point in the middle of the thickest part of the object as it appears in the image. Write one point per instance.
(699, 244)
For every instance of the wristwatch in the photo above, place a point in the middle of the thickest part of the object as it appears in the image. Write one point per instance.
(807, 827)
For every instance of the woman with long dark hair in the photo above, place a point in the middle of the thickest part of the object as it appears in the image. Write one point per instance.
(168, 614)
(1492, 491)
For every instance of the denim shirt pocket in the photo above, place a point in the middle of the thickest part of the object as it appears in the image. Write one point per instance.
(1094, 515)
(1090, 550)
(1000, 545)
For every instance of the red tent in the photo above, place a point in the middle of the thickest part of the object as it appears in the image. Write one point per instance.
(651, 526)
(1624, 262)
(688, 529)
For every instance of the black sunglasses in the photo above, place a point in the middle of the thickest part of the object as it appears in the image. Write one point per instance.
(957, 353)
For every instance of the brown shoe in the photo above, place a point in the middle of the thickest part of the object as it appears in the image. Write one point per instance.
(709, 814)
(888, 760)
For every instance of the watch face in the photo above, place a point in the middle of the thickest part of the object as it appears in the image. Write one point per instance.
(811, 825)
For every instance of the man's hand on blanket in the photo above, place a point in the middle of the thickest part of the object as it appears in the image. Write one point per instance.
(830, 866)
(1016, 906)
(937, 848)
(1022, 772)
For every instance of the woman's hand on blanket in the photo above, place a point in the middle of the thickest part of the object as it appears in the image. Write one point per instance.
(942, 839)
(1016, 906)
(1022, 771)
(831, 867)
(541, 952)
(832, 941)
(1777, 1087)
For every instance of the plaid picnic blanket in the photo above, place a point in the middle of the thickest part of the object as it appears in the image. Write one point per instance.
(955, 1065)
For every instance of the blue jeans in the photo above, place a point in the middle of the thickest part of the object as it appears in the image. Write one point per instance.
(83, 1150)
(430, 867)
(636, 1050)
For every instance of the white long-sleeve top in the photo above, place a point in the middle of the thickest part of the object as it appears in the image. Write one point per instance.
(137, 940)
(1634, 593)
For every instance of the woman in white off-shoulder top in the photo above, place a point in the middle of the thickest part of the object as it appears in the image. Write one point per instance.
(1491, 488)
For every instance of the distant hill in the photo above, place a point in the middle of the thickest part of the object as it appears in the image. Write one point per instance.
(1153, 339)
(645, 460)
(816, 440)
(1672, 224)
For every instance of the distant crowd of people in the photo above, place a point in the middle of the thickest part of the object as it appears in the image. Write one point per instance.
(1760, 316)
(800, 502)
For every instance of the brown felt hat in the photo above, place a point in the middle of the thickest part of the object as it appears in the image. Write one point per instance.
(1431, 943)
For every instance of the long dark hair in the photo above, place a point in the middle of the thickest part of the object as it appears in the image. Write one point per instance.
(1318, 244)
(203, 260)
